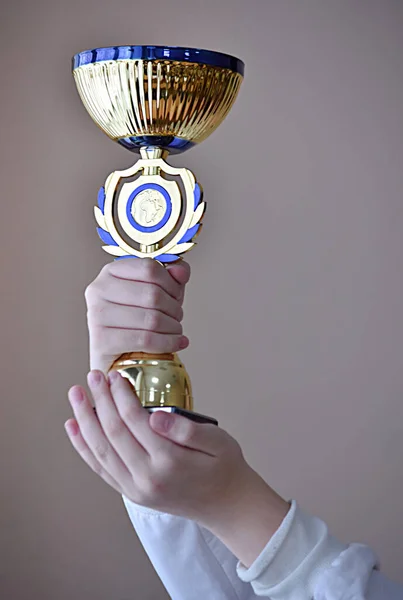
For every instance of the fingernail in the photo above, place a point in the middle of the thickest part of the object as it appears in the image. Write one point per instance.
(183, 342)
(94, 378)
(162, 421)
(113, 376)
(71, 427)
(76, 396)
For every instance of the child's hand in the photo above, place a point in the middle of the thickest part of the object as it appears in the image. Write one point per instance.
(168, 462)
(135, 305)
(163, 461)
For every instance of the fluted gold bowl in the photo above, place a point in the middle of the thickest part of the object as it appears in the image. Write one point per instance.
(160, 96)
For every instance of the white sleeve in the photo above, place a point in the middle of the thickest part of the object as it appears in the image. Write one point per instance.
(302, 561)
(191, 562)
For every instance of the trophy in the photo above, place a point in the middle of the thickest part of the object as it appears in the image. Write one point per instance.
(155, 100)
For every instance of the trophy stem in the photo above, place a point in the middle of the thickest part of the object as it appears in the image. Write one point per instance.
(149, 248)
(150, 152)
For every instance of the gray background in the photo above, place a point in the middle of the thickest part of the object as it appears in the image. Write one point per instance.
(295, 306)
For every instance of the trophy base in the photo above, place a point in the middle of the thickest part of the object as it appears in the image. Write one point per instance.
(189, 414)
(161, 383)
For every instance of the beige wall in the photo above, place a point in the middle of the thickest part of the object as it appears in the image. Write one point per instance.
(295, 307)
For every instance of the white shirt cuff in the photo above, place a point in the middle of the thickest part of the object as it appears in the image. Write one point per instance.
(296, 555)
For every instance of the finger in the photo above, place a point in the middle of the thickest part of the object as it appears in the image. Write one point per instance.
(147, 270)
(133, 317)
(203, 437)
(95, 438)
(119, 436)
(180, 272)
(137, 419)
(119, 341)
(133, 293)
(80, 445)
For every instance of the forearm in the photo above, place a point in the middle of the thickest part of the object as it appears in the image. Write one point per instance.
(250, 519)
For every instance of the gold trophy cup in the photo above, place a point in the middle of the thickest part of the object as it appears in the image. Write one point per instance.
(155, 100)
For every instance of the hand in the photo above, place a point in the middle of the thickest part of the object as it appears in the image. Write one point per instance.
(172, 464)
(135, 305)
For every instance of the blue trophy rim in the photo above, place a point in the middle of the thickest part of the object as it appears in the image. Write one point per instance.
(193, 55)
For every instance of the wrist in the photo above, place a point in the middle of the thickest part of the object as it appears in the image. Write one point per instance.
(248, 516)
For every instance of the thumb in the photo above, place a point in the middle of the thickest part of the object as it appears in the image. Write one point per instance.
(180, 272)
(203, 437)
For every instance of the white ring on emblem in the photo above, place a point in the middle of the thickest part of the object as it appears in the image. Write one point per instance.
(145, 237)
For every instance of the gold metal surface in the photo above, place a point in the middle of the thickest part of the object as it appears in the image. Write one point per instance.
(180, 204)
(159, 379)
(138, 97)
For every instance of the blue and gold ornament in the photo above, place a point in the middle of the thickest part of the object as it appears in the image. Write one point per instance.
(154, 100)
(150, 211)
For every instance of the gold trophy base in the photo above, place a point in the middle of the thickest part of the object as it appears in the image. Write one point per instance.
(161, 382)
(159, 379)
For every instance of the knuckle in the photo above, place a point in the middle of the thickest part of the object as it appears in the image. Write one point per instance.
(177, 329)
(91, 293)
(108, 268)
(167, 464)
(230, 447)
(236, 449)
(186, 432)
(153, 296)
(150, 269)
(114, 428)
(96, 467)
(145, 340)
(101, 451)
(153, 487)
(152, 320)
(129, 413)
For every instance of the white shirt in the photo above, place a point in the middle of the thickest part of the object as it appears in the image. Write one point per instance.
(302, 561)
